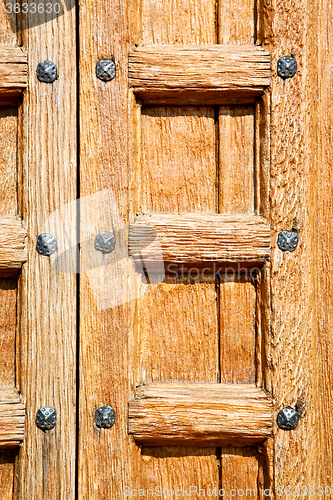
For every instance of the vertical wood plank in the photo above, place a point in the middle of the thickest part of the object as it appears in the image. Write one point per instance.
(177, 331)
(236, 22)
(236, 159)
(238, 330)
(325, 238)
(293, 345)
(239, 473)
(106, 31)
(48, 298)
(8, 26)
(178, 22)
(8, 206)
(8, 161)
(8, 299)
(7, 476)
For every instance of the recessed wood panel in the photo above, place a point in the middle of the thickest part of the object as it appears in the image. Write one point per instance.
(178, 159)
(238, 330)
(177, 333)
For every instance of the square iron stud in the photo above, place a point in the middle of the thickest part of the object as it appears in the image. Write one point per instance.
(106, 70)
(287, 67)
(105, 417)
(287, 419)
(287, 241)
(46, 244)
(46, 418)
(105, 242)
(47, 72)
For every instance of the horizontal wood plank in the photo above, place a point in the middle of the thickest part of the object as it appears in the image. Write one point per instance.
(200, 414)
(13, 73)
(12, 245)
(12, 418)
(199, 239)
(210, 74)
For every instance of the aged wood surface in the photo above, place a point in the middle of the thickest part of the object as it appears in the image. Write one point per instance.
(211, 72)
(198, 239)
(104, 454)
(47, 361)
(200, 413)
(292, 348)
(13, 73)
(172, 172)
(236, 159)
(239, 181)
(12, 244)
(325, 250)
(175, 324)
(202, 423)
(12, 418)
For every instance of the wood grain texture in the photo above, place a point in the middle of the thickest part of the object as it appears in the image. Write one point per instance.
(239, 477)
(178, 155)
(178, 171)
(200, 239)
(198, 73)
(324, 238)
(8, 326)
(169, 320)
(8, 160)
(7, 464)
(12, 245)
(12, 418)
(236, 22)
(200, 415)
(238, 297)
(47, 360)
(240, 179)
(104, 466)
(292, 353)
(236, 159)
(13, 73)
(178, 22)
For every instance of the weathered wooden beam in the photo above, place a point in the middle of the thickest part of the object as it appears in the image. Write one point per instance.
(213, 74)
(200, 239)
(12, 245)
(200, 414)
(13, 73)
(12, 419)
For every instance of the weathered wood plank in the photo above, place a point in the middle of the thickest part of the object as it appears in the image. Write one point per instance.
(324, 346)
(238, 330)
(206, 414)
(104, 455)
(7, 468)
(12, 419)
(12, 245)
(47, 356)
(292, 347)
(236, 159)
(198, 239)
(200, 74)
(178, 172)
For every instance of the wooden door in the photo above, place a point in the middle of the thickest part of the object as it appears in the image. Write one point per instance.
(197, 329)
